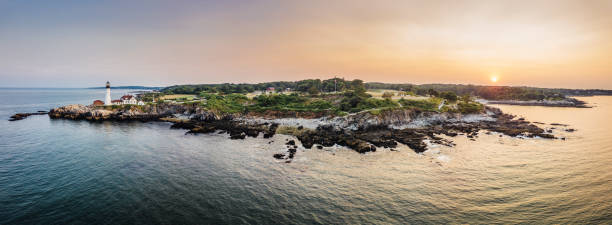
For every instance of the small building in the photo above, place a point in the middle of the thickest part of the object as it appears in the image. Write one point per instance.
(117, 102)
(98, 103)
(129, 100)
(270, 90)
(141, 103)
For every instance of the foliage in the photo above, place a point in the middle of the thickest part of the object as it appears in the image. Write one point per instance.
(303, 86)
(488, 92)
(470, 107)
(233, 103)
(449, 95)
(292, 102)
(388, 95)
(313, 90)
(425, 104)
(355, 102)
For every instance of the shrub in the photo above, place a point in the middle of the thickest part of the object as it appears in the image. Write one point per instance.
(388, 95)
(449, 95)
(426, 104)
(470, 107)
(233, 103)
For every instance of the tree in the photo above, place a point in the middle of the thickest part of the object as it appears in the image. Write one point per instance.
(466, 98)
(358, 87)
(388, 95)
(449, 95)
(432, 92)
(313, 90)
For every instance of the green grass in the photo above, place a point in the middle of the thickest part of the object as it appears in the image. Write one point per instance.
(340, 104)
(430, 104)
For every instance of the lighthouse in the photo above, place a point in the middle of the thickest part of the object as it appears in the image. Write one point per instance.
(107, 100)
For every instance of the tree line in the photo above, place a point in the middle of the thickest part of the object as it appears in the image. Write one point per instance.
(317, 86)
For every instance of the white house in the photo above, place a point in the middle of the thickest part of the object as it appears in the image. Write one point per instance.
(128, 100)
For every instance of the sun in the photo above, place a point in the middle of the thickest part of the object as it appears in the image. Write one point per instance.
(494, 79)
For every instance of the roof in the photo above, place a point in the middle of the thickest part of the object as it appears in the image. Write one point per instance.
(116, 101)
(127, 97)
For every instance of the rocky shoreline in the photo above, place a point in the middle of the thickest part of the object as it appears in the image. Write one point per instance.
(362, 132)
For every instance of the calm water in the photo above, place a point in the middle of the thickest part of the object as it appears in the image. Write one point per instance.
(70, 172)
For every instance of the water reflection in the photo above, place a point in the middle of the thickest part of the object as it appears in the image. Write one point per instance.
(124, 173)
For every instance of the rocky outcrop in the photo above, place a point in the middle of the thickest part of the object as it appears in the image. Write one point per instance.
(20, 116)
(136, 113)
(362, 132)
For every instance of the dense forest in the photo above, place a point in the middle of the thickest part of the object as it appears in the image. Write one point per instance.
(316, 86)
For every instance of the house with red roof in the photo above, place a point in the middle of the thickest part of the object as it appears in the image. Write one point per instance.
(98, 103)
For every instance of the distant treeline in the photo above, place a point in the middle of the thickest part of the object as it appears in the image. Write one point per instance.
(307, 86)
(316, 86)
(493, 92)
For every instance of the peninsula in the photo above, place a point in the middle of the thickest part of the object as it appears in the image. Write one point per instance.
(317, 113)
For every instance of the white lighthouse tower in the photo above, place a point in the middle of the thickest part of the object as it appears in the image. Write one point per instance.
(107, 100)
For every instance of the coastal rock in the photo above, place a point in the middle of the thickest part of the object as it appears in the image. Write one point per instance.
(362, 132)
(20, 116)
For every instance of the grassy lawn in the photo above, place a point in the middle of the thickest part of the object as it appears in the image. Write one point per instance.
(173, 97)
(377, 93)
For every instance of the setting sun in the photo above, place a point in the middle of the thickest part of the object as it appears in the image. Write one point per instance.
(494, 79)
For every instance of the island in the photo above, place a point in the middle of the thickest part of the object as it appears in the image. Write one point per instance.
(317, 113)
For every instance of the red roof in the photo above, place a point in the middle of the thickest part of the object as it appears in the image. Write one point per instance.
(98, 102)
(127, 97)
(116, 101)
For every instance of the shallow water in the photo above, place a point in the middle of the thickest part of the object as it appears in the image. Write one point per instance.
(76, 172)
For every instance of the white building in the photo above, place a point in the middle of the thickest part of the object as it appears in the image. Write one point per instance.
(107, 100)
(128, 100)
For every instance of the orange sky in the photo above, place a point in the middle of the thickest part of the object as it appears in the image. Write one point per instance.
(535, 43)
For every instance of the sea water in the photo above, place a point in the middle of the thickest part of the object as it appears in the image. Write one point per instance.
(77, 172)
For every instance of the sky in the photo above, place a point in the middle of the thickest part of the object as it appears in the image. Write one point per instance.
(84, 43)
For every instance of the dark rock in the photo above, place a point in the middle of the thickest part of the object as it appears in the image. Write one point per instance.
(570, 130)
(240, 135)
(291, 142)
(559, 124)
(292, 152)
(279, 156)
(20, 116)
(319, 146)
(548, 136)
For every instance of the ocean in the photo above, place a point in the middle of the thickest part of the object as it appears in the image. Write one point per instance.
(77, 172)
